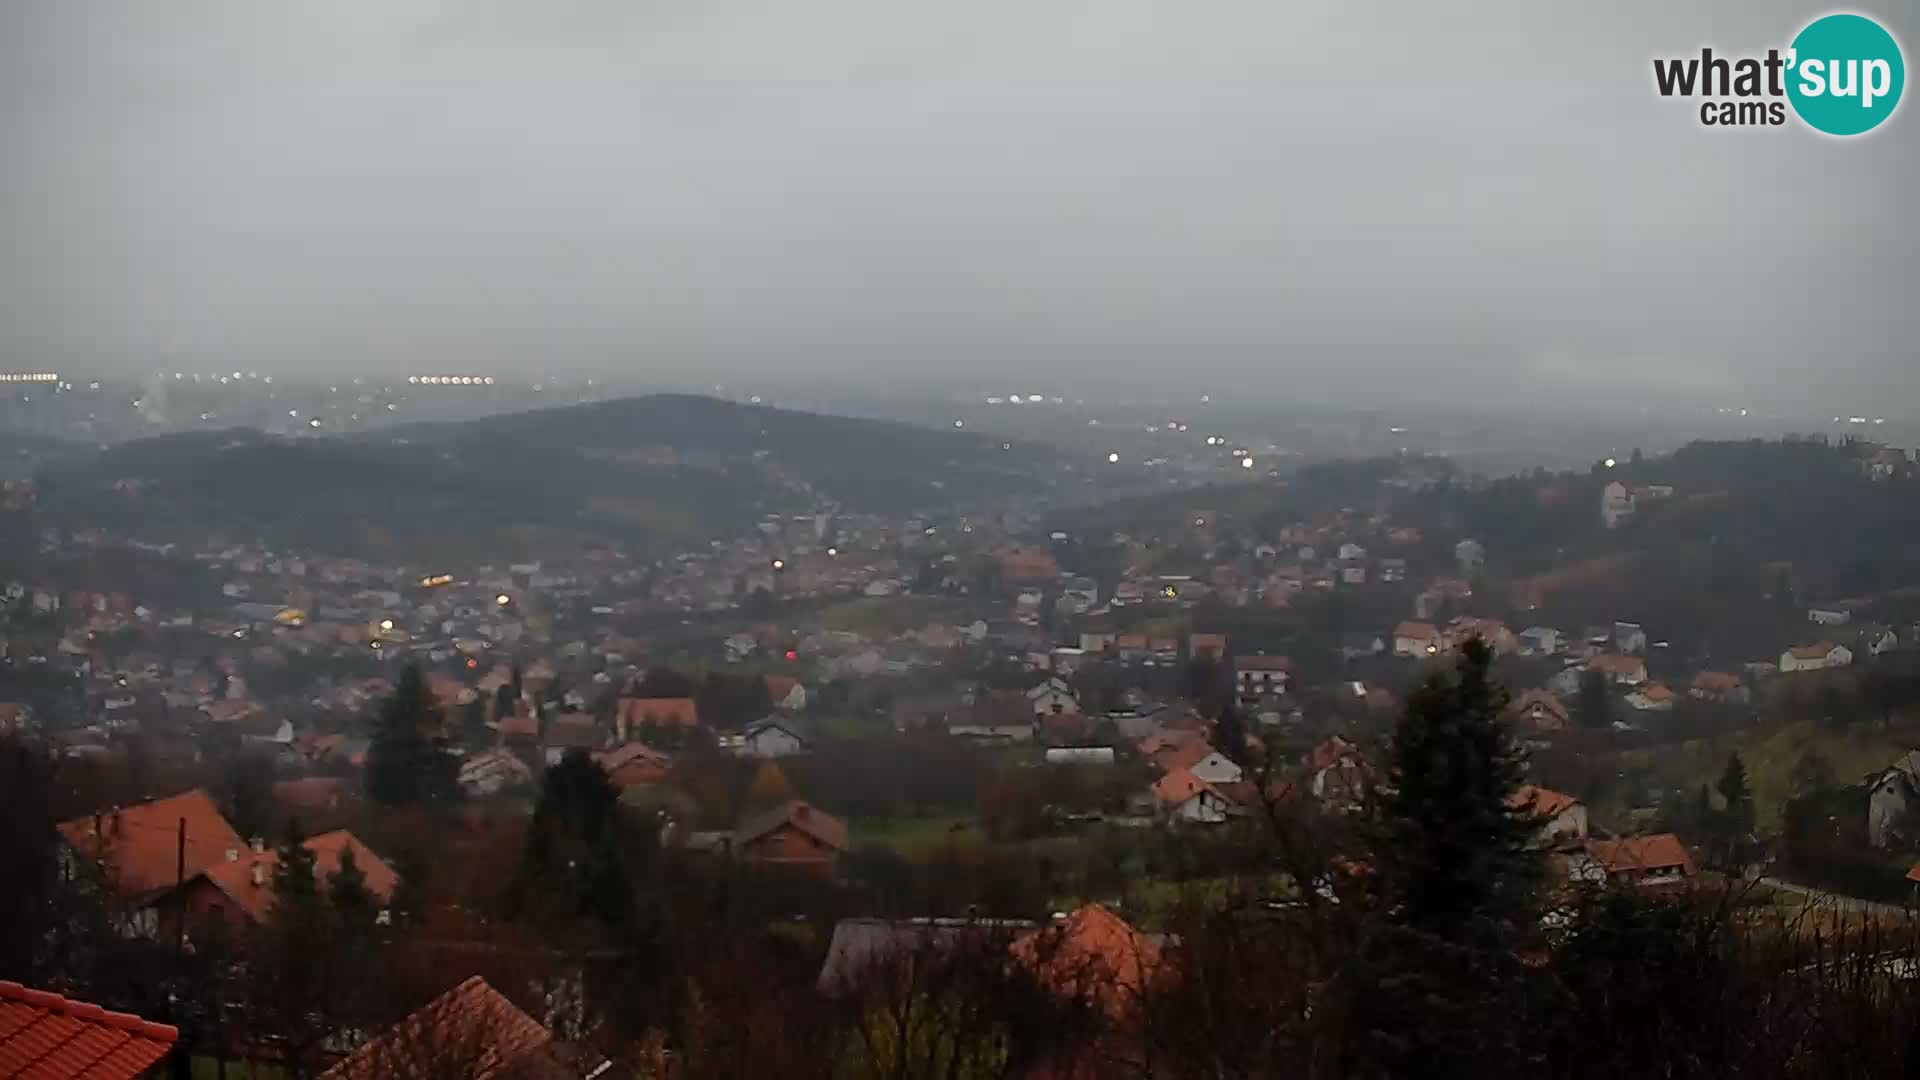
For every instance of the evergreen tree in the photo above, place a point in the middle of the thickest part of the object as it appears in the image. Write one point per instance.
(403, 765)
(353, 904)
(575, 863)
(294, 880)
(1452, 847)
(1594, 707)
(1435, 987)
(1230, 736)
(1739, 797)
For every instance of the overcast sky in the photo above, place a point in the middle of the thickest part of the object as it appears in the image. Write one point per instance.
(1323, 199)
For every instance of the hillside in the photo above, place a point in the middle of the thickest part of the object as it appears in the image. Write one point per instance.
(651, 472)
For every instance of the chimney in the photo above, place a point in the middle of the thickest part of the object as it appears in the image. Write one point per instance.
(233, 854)
(259, 846)
(259, 874)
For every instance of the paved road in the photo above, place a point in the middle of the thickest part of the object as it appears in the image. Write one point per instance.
(1849, 904)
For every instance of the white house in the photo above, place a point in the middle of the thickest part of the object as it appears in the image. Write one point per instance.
(1052, 698)
(1816, 657)
(1893, 796)
(1616, 503)
(1217, 768)
(1628, 637)
(1470, 555)
(773, 737)
(1829, 616)
(1349, 552)
(1257, 676)
(1562, 817)
(1079, 755)
(1184, 797)
(1540, 641)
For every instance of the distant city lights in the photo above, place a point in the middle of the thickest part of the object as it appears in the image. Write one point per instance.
(779, 564)
(1113, 459)
(452, 380)
(30, 376)
(1246, 463)
(503, 599)
(1609, 463)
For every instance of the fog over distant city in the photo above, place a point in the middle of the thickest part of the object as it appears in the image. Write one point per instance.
(1366, 203)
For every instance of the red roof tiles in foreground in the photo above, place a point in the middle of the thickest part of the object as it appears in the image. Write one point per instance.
(44, 1036)
(469, 1031)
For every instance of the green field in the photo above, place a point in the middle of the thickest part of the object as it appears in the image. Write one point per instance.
(915, 837)
(1770, 755)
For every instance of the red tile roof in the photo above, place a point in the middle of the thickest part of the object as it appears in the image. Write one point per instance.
(666, 712)
(1542, 801)
(1614, 664)
(470, 1031)
(811, 820)
(1178, 786)
(236, 878)
(1094, 953)
(140, 844)
(1660, 851)
(44, 1036)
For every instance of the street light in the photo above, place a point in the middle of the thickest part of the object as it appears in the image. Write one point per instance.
(503, 599)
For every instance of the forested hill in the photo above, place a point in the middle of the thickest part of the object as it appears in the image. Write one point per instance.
(662, 470)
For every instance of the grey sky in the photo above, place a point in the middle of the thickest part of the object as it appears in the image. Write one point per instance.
(1330, 199)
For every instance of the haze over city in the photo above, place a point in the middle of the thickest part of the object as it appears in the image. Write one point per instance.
(1352, 206)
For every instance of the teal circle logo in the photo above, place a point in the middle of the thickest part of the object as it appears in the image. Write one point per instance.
(1845, 74)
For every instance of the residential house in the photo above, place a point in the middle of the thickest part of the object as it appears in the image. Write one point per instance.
(1096, 641)
(1393, 570)
(1540, 710)
(1181, 796)
(1413, 638)
(1876, 639)
(1359, 645)
(1337, 774)
(773, 737)
(489, 772)
(43, 1034)
(1258, 676)
(1469, 555)
(1210, 645)
(1200, 759)
(1620, 670)
(1628, 637)
(788, 693)
(634, 765)
(1819, 656)
(237, 891)
(795, 836)
(1562, 817)
(1052, 698)
(1652, 697)
(1079, 755)
(1091, 955)
(1540, 641)
(1829, 616)
(150, 847)
(471, 1030)
(1891, 801)
(568, 732)
(864, 949)
(634, 713)
(1616, 503)
(1719, 687)
(1658, 864)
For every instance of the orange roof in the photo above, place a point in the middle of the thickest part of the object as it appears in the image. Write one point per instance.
(1186, 755)
(809, 819)
(1656, 692)
(1545, 700)
(1542, 801)
(1614, 664)
(1657, 852)
(667, 712)
(44, 1036)
(1178, 786)
(236, 878)
(1420, 631)
(1716, 681)
(1329, 753)
(1092, 952)
(1914, 874)
(140, 845)
(1814, 651)
(779, 686)
(471, 1030)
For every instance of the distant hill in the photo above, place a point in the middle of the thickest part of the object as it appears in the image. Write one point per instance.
(652, 472)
